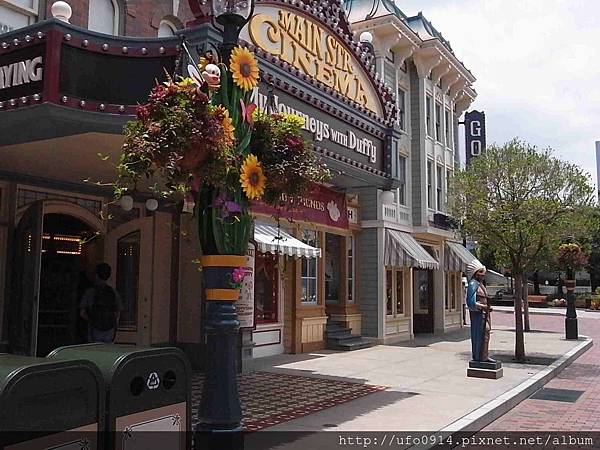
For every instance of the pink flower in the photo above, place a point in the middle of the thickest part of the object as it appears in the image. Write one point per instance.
(238, 275)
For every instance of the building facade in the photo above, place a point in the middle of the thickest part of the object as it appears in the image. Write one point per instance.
(384, 122)
(418, 284)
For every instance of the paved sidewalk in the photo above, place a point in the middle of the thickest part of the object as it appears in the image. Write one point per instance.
(582, 375)
(428, 387)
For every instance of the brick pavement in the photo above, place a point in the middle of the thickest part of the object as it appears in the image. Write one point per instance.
(583, 374)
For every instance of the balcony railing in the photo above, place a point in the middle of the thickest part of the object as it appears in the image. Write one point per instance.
(395, 213)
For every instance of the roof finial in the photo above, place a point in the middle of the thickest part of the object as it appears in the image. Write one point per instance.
(61, 11)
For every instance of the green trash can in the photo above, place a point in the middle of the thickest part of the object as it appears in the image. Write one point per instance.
(50, 404)
(148, 394)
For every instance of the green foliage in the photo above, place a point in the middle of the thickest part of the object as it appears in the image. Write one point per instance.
(520, 202)
(288, 159)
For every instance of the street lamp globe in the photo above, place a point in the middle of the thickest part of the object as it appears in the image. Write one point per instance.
(233, 15)
(232, 11)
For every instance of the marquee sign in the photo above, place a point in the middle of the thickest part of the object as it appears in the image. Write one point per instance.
(310, 47)
(22, 72)
(474, 134)
(327, 131)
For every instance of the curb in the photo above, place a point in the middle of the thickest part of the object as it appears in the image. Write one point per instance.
(484, 415)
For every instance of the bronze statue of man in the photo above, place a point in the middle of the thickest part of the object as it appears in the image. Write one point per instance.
(478, 303)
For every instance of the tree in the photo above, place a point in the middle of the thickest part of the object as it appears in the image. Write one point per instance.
(520, 201)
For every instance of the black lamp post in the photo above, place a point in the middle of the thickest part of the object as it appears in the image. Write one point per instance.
(233, 15)
(220, 411)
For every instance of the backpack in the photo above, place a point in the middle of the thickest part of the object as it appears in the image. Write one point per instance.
(102, 312)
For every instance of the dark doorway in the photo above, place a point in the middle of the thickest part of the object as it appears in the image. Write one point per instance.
(422, 301)
(70, 252)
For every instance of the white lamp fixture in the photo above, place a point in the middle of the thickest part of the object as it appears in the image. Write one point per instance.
(151, 204)
(126, 202)
(61, 11)
(366, 37)
(387, 197)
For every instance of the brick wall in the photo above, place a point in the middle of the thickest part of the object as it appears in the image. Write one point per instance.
(137, 17)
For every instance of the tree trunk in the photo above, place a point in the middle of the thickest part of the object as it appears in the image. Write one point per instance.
(536, 283)
(526, 305)
(519, 337)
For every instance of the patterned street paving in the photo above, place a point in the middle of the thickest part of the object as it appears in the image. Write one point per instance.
(582, 375)
(271, 398)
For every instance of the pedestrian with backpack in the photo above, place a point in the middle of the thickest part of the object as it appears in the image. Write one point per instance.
(100, 307)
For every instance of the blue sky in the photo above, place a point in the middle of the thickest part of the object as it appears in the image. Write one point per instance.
(537, 64)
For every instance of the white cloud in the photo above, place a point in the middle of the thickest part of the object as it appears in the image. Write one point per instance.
(537, 64)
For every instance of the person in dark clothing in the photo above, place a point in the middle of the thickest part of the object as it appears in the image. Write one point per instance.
(101, 307)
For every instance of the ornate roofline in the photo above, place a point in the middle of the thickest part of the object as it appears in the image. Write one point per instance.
(332, 16)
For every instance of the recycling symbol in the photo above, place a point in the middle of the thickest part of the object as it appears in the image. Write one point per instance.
(153, 381)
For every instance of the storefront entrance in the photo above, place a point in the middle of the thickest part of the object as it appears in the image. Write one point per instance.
(53, 263)
(422, 301)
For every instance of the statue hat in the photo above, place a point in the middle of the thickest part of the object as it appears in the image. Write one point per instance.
(473, 267)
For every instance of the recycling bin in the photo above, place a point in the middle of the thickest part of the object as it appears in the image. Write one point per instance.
(148, 394)
(48, 404)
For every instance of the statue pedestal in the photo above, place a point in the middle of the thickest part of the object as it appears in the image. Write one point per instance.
(481, 369)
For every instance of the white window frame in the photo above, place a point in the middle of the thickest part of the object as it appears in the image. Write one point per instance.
(439, 187)
(168, 23)
(116, 18)
(438, 121)
(447, 301)
(429, 175)
(428, 114)
(304, 276)
(404, 159)
(402, 108)
(31, 13)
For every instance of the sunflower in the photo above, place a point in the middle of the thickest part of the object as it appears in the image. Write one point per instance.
(185, 82)
(244, 68)
(228, 128)
(252, 178)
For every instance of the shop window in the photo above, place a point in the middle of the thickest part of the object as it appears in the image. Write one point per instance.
(309, 270)
(394, 288)
(350, 267)
(430, 185)
(266, 286)
(16, 14)
(389, 294)
(166, 29)
(333, 258)
(452, 283)
(103, 16)
(127, 278)
(438, 122)
(428, 115)
(402, 179)
(439, 188)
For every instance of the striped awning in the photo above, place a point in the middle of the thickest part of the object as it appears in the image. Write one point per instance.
(401, 250)
(457, 257)
(274, 240)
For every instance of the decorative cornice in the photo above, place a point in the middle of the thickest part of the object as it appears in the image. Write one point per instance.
(425, 62)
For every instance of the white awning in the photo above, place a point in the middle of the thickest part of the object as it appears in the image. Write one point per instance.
(458, 257)
(401, 250)
(270, 239)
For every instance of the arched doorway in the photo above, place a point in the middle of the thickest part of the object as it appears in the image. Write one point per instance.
(57, 248)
